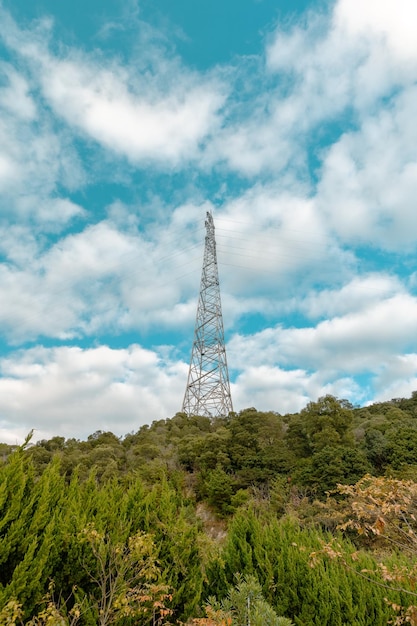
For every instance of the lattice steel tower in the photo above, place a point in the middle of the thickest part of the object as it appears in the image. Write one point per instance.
(208, 386)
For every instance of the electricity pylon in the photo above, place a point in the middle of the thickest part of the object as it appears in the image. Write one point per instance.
(208, 387)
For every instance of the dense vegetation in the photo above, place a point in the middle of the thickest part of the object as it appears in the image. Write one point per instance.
(145, 529)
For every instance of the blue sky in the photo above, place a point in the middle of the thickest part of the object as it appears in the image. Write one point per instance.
(122, 123)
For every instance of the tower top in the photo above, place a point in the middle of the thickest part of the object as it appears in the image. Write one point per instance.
(208, 387)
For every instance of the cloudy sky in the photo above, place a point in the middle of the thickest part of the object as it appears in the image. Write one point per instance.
(122, 122)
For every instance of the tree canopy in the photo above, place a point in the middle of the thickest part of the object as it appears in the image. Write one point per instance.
(146, 528)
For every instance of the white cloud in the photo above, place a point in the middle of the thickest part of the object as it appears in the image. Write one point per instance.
(399, 367)
(394, 20)
(8, 170)
(255, 146)
(15, 95)
(73, 392)
(282, 369)
(369, 181)
(35, 160)
(99, 279)
(18, 244)
(315, 82)
(354, 71)
(59, 211)
(353, 343)
(357, 341)
(141, 125)
(271, 237)
(356, 295)
(271, 388)
(159, 112)
(59, 290)
(352, 56)
(344, 66)
(396, 378)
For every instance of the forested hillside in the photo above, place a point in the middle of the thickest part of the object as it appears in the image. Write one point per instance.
(200, 521)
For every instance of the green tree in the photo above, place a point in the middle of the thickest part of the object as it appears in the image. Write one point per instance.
(256, 449)
(248, 606)
(244, 605)
(125, 578)
(277, 553)
(218, 488)
(384, 512)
